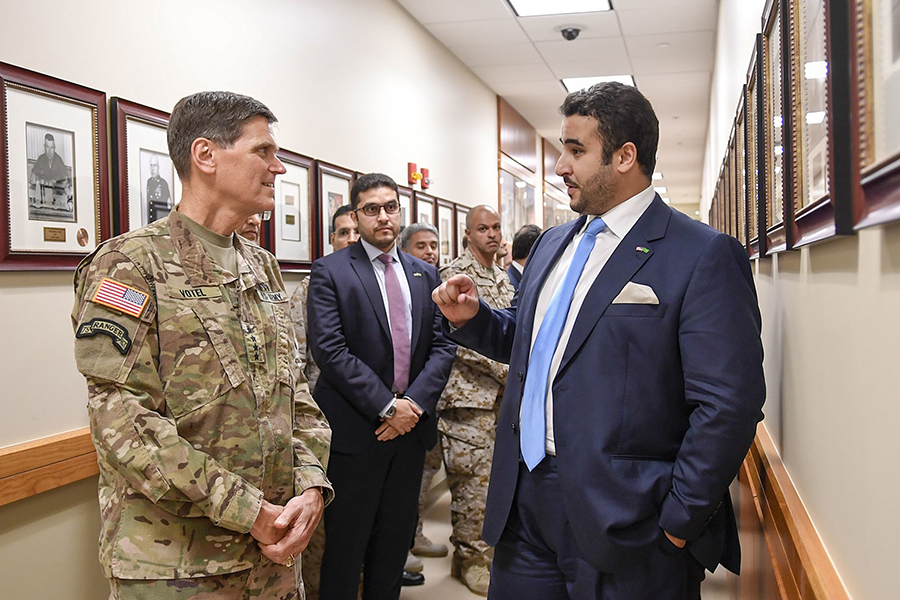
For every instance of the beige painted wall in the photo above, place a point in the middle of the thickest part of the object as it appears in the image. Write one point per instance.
(355, 82)
(831, 330)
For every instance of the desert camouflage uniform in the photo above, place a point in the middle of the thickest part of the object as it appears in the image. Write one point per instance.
(298, 316)
(467, 418)
(197, 406)
(311, 565)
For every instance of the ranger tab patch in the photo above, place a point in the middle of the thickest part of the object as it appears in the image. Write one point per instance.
(118, 333)
(120, 297)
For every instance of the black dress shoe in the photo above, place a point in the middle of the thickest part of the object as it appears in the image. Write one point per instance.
(410, 578)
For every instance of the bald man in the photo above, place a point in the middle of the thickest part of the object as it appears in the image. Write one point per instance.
(469, 405)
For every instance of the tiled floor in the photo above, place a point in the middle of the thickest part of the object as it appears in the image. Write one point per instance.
(439, 585)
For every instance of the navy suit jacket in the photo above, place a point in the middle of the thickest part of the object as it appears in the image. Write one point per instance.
(655, 405)
(351, 343)
(514, 277)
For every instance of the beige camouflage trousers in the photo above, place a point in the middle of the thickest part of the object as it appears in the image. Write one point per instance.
(467, 442)
(266, 581)
(432, 466)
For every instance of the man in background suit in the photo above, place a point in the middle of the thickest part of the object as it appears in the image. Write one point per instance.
(376, 336)
(524, 239)
(635, 383)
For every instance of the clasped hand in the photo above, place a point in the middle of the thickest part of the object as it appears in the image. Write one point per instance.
(283, 532)
(401, 423)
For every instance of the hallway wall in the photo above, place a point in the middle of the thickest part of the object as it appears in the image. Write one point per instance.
(358, 83)
(831, 331)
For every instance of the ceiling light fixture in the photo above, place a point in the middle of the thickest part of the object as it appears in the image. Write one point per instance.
(573, 84)
(538, 8)
(657, 175)
(661, 189)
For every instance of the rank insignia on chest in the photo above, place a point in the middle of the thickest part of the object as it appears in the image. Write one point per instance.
(120, 297)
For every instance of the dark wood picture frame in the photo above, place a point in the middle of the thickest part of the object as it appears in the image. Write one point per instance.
(420, 201)
(269, 230)
(121, 112)
(460, 213)
(876, 180)
(757, 175)
(46, 88)
(323, 209)
(449, 234)
(827, 213)
(405, 195)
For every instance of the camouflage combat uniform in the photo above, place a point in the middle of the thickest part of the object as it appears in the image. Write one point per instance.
(197, 407)
(467, 417)
(311, 565)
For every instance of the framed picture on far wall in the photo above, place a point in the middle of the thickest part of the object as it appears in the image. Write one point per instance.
(424, 205)
(334, 191)
(54, 203)
(461, 213)
(290, 231)
(145, 184)
(446, 225)
(406, 202)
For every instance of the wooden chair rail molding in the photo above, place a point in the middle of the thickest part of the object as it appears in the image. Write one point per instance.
(46, 463)
(802, 568)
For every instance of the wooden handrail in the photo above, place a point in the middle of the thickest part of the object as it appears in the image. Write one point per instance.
(44, 464)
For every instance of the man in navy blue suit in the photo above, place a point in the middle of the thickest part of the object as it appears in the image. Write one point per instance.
(524, 239)
(635, 382)
(376, 336)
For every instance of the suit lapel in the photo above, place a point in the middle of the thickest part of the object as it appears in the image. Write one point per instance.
(416, 282)
(364, 269)
(625, 261)
(540, 265)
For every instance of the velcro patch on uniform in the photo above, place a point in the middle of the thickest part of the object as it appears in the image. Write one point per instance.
(195, 292)
(120, 297)
(119, 334)
(272, 296)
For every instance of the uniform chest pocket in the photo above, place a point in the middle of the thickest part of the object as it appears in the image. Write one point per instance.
(197, 360)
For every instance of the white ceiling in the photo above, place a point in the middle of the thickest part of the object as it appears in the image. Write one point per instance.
(667, 45)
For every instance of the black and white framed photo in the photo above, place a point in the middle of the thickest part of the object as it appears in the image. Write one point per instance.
(424, 208)
(54, 198)
(461, 213)
(145, 183)
(291, 228)
(334, 191)
(446, 225)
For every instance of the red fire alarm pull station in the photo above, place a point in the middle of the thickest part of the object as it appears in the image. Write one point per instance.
(412, 172)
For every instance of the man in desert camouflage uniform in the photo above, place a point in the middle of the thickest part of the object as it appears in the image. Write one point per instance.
(344, 232)
(468, 407)
(209, 444)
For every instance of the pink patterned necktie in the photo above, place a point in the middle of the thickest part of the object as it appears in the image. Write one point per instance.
(399, 329)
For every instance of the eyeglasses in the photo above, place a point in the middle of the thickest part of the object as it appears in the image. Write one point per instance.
(373, 210)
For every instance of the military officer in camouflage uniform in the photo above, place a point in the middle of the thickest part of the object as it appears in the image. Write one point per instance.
(468, 407)
(209, 444)
(344, 232)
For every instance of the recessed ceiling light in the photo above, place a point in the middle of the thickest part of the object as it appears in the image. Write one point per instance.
(536, 8)
(663, 45)
(666, 200)
(661, 189)
(697, 212)
(657, 175)
(573, 84)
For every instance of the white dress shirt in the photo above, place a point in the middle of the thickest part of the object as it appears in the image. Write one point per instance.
(619, 221)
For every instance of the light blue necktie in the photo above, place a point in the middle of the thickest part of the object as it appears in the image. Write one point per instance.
(533, 428)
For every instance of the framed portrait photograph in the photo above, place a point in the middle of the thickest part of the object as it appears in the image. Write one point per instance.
(145, 184)
(424, 205)
(53, 188)
(461, 213)
(334, 191)
(446, 225)
(774, 141)
(290, 230)
(876, 47)
(406, 203)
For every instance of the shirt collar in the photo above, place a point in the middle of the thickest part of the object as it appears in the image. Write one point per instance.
(517, 267)
(373, 253)
(621, 218)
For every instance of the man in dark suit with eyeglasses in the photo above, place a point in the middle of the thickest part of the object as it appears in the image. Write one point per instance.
(376, 336)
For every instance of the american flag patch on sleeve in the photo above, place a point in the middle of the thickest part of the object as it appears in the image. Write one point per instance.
(120, 297)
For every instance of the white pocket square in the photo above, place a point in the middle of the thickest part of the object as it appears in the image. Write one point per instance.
(636, 293)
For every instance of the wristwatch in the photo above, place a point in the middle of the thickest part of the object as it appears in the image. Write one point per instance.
(392, 410)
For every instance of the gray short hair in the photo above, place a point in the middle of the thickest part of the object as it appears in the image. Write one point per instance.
(216, 116)
(411, 230)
